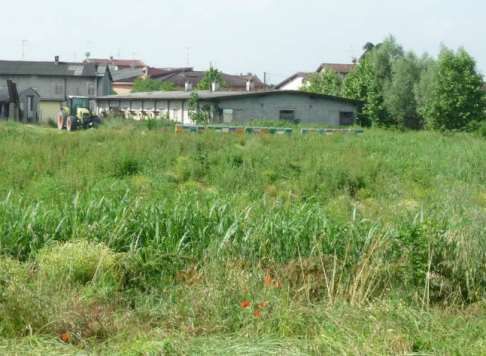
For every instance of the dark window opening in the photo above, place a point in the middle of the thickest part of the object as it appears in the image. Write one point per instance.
(30, 103)
(288, 115)
(346, 118)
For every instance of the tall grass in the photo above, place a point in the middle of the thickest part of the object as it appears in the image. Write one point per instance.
(327, 219)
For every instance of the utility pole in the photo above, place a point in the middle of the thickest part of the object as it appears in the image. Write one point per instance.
(265, 78)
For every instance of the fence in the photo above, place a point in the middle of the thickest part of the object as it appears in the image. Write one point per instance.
(264, 130)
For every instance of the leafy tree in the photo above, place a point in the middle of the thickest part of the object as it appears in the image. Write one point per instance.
(146, 85)
(212, 75)
(399, 100)
(327, 82)
(369, 79)
(450, 93)
(199, 115)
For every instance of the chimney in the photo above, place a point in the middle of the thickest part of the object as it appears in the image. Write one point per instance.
(56, 59)
(188, 86)
(214, 86)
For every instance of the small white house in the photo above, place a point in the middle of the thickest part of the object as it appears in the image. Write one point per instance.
(294, 82)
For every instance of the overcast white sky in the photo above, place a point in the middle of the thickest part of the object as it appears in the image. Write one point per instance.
(276, 36)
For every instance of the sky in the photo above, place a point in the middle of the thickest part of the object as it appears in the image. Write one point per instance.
(279, 37)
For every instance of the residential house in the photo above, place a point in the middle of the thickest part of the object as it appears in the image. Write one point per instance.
(123, 79)
(295, 81)
(299, 79)
(186, 80)
(234, 107)
(117, 64)
(342, 69)
(56, 81)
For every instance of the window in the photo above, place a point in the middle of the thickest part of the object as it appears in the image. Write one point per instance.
(288, 115)
(228, 115)
(346, 118)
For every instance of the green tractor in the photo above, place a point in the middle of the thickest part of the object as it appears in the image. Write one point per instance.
(75, 114)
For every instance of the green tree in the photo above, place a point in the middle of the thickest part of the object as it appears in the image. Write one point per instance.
(147, 85)
(212, 75)
(369, 79)
(327, 82)
(399, 100)
(450, 95)
(200, 114)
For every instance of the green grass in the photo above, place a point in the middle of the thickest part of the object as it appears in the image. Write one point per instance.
(132, 239)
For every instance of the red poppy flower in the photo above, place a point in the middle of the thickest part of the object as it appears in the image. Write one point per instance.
(245, 304)
(257, 314)
(65, 337)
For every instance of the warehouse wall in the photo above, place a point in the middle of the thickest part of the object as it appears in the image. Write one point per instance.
(306, 108)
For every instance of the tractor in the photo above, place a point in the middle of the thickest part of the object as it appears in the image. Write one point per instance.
(75, 114)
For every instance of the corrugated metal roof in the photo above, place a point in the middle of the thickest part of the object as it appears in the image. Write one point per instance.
(48, 69)
(208, 95)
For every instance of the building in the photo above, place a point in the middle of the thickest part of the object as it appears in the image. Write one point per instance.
(23, 106)
(340, 68)
(124, 79)
(117, 64)
(182, 78)
(234, 107)
(231, 82)
(298, 80)
(7, 105)
(294, 82)
(55, 81)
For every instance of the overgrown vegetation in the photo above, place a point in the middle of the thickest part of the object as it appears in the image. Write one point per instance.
(147, 85)
(213, 75)
(129, 240)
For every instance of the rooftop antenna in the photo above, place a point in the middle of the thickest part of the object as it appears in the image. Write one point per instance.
(24, 43)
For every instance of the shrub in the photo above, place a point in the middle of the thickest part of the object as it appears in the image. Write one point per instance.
(126, 167)
(79, 263)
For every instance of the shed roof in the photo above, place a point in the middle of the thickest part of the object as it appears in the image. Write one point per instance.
(218, 95)
(63, 69)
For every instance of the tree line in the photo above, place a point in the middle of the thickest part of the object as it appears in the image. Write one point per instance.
(398, 88)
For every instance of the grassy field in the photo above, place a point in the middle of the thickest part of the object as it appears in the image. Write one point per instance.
(130, 239)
